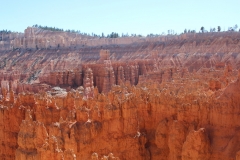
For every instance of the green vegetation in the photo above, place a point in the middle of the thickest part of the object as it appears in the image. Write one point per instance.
(116, 35)
(234, 28)
(5, 31)
(113, 35)
(189, 31)
(55, 29)
(212, 29)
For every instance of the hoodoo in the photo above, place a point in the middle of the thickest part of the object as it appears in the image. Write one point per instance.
(69, 96)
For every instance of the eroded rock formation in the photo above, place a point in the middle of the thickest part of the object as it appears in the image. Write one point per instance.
(170, 99)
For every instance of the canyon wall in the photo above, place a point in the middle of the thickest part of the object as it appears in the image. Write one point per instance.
(181, 119)
(153, 99)
(36, 38)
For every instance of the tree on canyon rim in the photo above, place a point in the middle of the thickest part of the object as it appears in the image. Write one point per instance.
(202, 29)
(219, 28)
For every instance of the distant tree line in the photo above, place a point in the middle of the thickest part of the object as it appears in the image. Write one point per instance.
(5, 31)
(234, 28)
(111, 35)
(54, 29)
(218, 29)
(116, 35)
(131, 35)
(189, 31)
(153, 35)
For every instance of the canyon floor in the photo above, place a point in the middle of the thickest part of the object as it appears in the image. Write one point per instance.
(166, 98)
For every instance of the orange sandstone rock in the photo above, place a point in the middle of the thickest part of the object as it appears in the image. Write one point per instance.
(158, 98)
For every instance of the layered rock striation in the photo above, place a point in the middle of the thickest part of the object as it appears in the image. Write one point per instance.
(149, 121)
(152, 99)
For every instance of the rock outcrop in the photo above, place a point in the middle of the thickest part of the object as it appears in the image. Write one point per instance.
(170, 99)
(196, 146)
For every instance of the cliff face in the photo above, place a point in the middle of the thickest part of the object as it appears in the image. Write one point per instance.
(177, 99)
(134, 63)
(149, 121)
